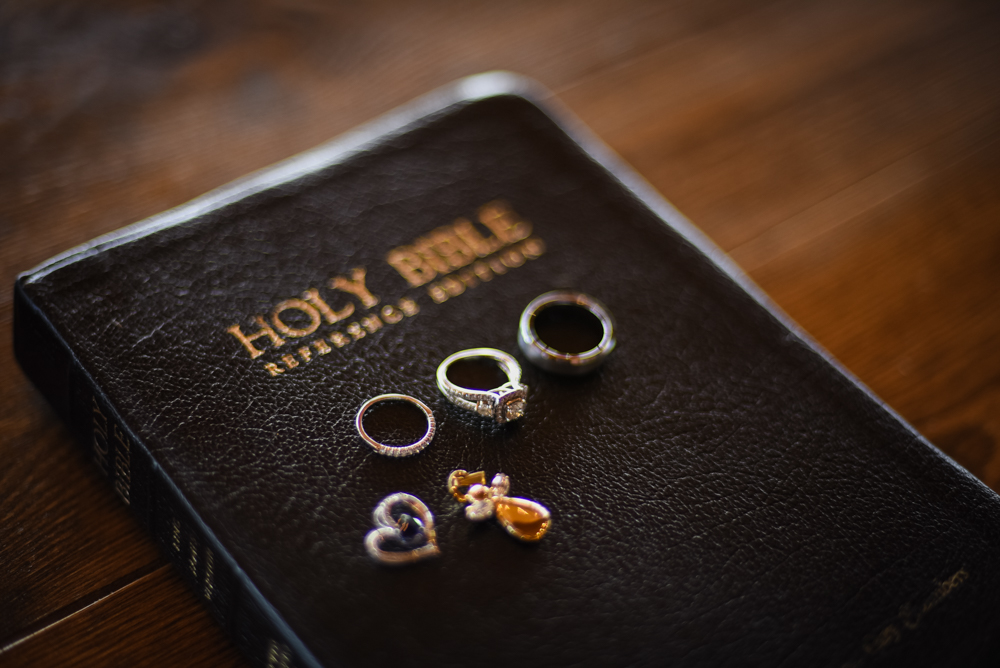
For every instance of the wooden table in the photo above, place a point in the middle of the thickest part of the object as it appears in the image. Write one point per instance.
(845, 153)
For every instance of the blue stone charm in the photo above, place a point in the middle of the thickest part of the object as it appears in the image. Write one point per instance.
(411, 531)
(407, 538)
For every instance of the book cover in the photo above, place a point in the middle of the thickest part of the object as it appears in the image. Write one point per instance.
(721, 492)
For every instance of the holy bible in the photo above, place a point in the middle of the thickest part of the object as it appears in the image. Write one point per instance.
(722, 493)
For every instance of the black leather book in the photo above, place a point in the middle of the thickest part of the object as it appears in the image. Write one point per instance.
(722, 493)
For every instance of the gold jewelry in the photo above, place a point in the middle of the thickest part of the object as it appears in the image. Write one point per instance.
(522, 518)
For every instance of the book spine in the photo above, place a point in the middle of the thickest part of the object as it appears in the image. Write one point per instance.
(142, 485)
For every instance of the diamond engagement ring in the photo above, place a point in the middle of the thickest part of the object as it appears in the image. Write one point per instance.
(503, 404)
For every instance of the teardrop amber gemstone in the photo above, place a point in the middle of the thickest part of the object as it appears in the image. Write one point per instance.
(522, 518)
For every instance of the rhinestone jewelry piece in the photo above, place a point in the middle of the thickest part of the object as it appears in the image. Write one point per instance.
(503, 404)
(522, 518)
(396, 450)
(405, 538)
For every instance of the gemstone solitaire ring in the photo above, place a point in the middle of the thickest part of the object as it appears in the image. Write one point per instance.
(503, 404)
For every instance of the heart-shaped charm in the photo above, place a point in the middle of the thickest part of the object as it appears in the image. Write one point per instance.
(405, 538)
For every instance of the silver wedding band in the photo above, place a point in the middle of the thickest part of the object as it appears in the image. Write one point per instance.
(557, 361)
(504, 404)
(396, 450)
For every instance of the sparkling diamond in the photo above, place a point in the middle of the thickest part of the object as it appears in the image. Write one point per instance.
(478, 511)
(514, 410)
(484, 407)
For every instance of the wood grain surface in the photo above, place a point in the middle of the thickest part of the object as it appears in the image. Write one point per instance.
(846, 153)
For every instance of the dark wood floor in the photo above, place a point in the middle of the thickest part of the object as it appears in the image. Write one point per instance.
(846, 153)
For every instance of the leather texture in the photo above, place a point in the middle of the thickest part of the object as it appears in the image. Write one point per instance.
(722, 495)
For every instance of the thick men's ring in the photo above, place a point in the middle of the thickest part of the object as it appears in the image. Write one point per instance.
(557, 361)
(396, 450)
(503, 404)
